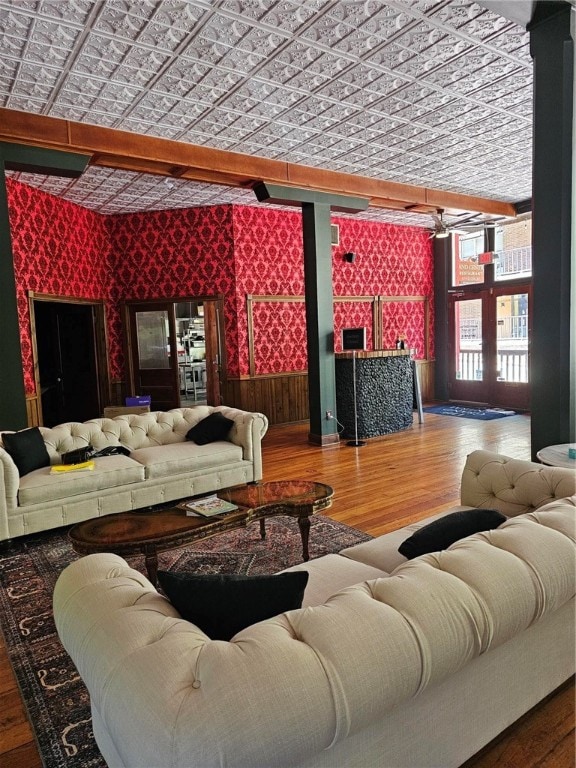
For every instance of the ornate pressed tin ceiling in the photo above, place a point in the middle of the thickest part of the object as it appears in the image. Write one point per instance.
(436, 93)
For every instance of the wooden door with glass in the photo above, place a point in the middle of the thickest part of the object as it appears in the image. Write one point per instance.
(174, 351)
(153, 353)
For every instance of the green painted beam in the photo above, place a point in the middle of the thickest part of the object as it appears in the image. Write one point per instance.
(49, 162)
(13, 413)
(280, 195)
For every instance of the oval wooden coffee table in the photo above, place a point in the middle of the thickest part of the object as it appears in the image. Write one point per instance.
(151, 531)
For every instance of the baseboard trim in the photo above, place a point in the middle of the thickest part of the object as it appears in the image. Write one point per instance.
(323, 440)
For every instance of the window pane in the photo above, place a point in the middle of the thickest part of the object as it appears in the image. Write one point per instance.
(468, 341)
(512, 337)
(152, 332)
(465, 267)
(514, 249)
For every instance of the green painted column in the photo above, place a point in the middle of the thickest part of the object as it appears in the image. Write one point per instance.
(319, 322)
(33, 160)
(12, 393)
(316, 207)
(553, 344)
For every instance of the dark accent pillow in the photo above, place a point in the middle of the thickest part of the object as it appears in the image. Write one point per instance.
(223, 604)
(27, 449)
(213, 427)
(441, 533)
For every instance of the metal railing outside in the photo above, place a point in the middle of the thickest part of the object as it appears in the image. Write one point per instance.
(514, 262)
(512, 365)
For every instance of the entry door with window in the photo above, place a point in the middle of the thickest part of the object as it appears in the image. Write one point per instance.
(489, 353)
(166, 348)
(153, 353)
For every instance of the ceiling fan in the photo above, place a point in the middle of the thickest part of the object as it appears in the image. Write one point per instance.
(441, 228)
(464, 226)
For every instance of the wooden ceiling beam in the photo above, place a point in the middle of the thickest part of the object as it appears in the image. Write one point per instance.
(123, 150)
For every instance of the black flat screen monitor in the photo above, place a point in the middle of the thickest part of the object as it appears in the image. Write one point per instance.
(353, 338)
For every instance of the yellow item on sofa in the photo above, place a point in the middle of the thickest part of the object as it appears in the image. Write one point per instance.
(58, 469)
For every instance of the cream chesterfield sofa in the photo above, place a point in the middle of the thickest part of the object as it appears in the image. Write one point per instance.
(162, 466)
(389, 663)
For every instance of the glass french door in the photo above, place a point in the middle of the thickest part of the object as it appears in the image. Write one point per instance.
(489, 347)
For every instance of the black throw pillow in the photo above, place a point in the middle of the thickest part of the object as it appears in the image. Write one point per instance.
(223, 604)
(441, 533)
(27, 449)
(213, 427)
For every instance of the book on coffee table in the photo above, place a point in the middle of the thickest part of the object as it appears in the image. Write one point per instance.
(208, 506)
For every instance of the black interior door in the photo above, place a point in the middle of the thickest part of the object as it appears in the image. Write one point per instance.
(67, 362)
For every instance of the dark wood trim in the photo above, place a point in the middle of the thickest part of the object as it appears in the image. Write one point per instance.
(33, 410)
(426, 374)
(252, 299)
(283, 397)
(218, 337)
(323, 440)
(250, 322)
(36, 368)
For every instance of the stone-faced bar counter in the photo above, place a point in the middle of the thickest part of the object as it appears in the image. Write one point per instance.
(384, 392)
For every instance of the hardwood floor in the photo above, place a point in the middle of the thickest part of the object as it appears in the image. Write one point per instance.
(388, 483)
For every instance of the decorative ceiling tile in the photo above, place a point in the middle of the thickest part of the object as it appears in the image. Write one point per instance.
(429, 92)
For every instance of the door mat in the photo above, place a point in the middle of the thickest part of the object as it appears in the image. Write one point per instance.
(55, 697)
(468, 412)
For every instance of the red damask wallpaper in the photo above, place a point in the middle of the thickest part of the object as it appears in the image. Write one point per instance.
(236, 251)
(390, 261)
(177, 253)
(269, 262)
(59, 248)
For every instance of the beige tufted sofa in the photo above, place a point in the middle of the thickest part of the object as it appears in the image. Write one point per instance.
(162, 466)
(389, 664)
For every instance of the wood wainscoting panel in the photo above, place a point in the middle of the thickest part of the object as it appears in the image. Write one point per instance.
(282, 397)
(426, 379)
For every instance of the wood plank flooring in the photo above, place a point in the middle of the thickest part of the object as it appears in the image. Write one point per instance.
(388, 483)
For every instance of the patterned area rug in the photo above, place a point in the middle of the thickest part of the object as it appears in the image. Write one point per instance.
(56, 699)
(466, 412)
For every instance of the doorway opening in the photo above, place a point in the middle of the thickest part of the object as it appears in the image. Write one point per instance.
(70, 361)
(489, 351)
(175, 350)
(490, 306)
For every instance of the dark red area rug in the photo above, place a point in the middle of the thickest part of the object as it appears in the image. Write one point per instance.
(56, 699)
